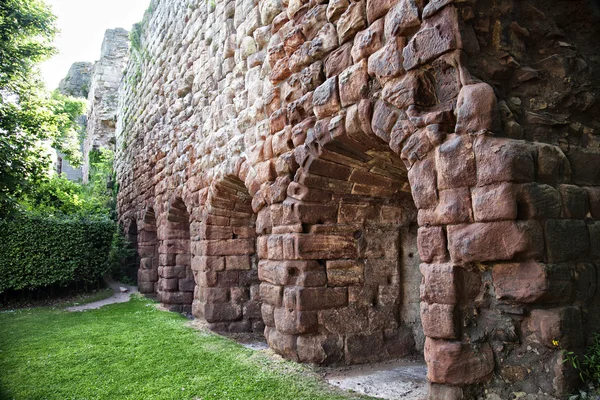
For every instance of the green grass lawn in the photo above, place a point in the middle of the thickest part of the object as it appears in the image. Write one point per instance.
(134, 351)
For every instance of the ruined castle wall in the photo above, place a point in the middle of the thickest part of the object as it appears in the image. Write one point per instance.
(285, 160)
(103, 88)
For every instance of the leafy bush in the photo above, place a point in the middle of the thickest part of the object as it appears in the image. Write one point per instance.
(37, 252)
(588, 366)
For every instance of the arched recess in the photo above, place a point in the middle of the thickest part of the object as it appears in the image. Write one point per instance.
(225, 261)
(175, 278)
(340, 273)
(133, 260)
(148, 252)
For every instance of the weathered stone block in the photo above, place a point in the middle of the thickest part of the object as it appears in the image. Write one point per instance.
(295, 322)
(585, 166)
(558, 324)
(386, 63)
(338, 60)
(438, 321)
(537, 201)
(326, 100)
(321, 298)
(438, 285)
(432, 244)
(456, 363)
(494, 202)
(477, 110)
(491, 241)
(402, 19)
(354, 84)
(351, 21)
(368, 41)
(574, 201)
(503, 160)
(566, 240)
(455, 161)
(345, 272)
(531, 282)
(438, 35)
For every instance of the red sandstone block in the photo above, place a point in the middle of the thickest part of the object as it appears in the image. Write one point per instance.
(325, 247)
(175, 297)
(320, 349)
(558, 324)
(552, 165)
(338, 60)
(314, 20)
(345, 272)
(238, 263)
(423, 181)
(275, 247)
(187, 284)
(326, 100)
(438, 35)
(293, 40)
(295, 211)
(271, 294)
(354, 83)
(147, 275)
(494, 202)
(267, 312)
(454, 207)
(295, 322)
(167, 284)
(277, 121)
(301, 273)
(282, 141)
(282, 343)
(220, 312)
(585, 166)
(477, 110)
(325, 184)
(378, 8)
(351, 21)
(265, 171)
(403, 20)
(531, 282)
(503, 160)
(438, 321)
(206, 278)
(172, 272)
(432, 244)
(566, 240)
(321, 298)
(574, 201)
(455, 162)
(438, 284)
(504, 240)
(456, 363)
(386, 63)
(213, 295)
(384, 118)
(537, 201)
(368, 41)
(226, 247)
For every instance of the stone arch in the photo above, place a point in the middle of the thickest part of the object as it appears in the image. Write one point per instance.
(175, 278)
(225, 260)
(132, 262)
(148, 252)
(340, 272)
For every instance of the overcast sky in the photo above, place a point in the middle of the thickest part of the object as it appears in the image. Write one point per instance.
(82, 24)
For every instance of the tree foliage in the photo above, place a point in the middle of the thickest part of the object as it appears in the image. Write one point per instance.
(26, 116)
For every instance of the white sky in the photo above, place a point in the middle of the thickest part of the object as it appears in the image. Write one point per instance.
(82, 24)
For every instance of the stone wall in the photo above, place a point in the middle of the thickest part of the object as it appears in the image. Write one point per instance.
(103, 94)
(370, 179)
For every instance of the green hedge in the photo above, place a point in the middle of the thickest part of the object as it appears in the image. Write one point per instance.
(37, 252)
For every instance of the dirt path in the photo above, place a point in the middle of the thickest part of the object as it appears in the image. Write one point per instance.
(121, 295)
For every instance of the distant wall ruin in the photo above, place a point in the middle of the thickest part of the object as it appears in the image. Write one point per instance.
(369, 179)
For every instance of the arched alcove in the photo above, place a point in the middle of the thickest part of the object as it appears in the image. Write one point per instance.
(225, 265)
(148, 253)
(175, 279)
